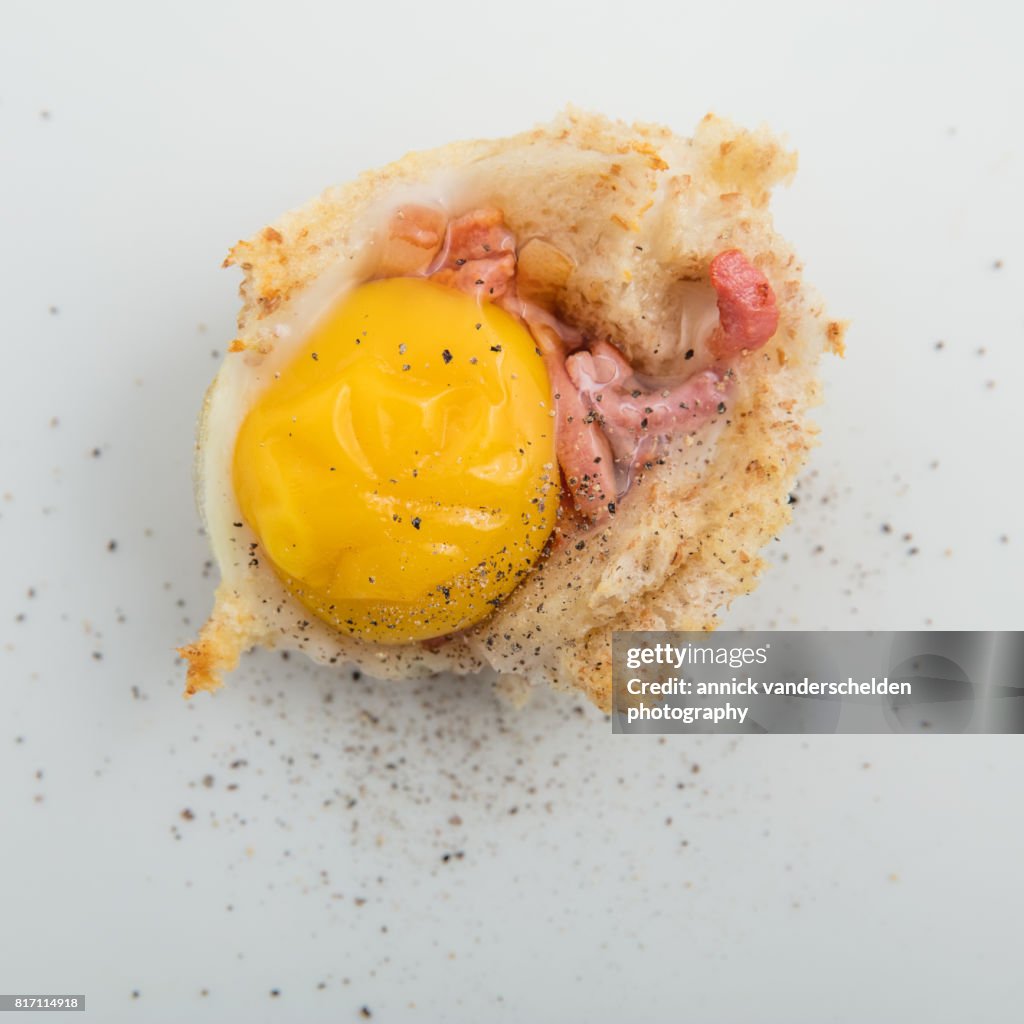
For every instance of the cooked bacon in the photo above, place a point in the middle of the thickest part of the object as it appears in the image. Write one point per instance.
(584, 451)
(746, 304)
(488, 278)
(479, 235)
(412, 240)
(481, 256)
(422, 226)
(604, 375)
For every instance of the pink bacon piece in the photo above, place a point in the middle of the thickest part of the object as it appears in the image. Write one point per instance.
(481, 255)
(632, 418)
(583, 449)
(747, 311)
(411, 241)
(623, 404)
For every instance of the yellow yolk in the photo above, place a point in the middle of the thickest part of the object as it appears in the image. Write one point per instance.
(400, 473)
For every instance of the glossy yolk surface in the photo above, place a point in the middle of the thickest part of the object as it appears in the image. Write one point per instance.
(400, 473)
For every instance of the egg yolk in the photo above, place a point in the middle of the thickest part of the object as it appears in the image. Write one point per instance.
(400, 473)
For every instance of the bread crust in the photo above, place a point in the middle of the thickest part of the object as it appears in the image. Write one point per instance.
(637, 211)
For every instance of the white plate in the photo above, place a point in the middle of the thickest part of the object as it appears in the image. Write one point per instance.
(421, 851)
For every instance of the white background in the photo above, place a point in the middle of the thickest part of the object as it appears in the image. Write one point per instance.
(591, 878)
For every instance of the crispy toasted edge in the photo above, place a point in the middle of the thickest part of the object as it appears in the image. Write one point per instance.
(224, 637)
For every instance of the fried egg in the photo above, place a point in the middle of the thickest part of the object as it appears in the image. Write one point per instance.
(399, 471)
